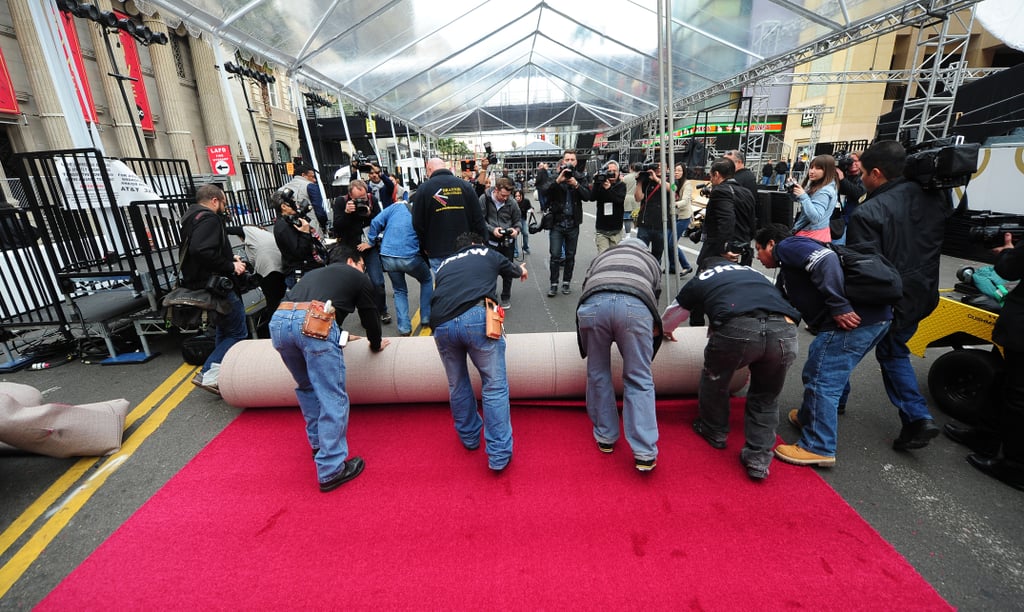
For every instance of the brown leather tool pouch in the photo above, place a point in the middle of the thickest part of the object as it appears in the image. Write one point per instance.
(495, 318)
(317, 323)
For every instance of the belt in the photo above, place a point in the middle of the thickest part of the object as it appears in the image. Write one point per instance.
(294, 305)
(774, 316)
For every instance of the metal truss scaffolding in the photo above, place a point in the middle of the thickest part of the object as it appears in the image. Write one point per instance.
(939, 68)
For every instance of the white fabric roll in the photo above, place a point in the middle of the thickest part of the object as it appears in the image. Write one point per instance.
(539, 366)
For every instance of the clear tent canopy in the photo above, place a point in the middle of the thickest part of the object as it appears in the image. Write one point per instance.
(484, 65)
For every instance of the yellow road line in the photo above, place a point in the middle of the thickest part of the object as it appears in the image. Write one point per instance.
(23, 559)
(71, 476)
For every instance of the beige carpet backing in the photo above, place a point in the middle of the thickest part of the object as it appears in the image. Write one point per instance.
(540, 366)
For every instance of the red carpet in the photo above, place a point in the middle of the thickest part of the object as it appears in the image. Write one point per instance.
(427, 526)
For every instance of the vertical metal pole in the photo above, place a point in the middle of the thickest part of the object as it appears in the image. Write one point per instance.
(226, 90)
(124, 94)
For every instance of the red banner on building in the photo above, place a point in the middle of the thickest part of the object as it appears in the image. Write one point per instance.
(75, 50)
(8, 98)
(134, 69)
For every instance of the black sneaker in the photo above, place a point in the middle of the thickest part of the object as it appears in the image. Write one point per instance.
(385, 318)
(565, 288)
(701, 429)
(553, 290)
(353, 467)
(605, 447)
(645, 465)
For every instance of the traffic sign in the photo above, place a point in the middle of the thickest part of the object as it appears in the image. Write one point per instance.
(220, 159)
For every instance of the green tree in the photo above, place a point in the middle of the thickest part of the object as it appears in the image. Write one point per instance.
(452, 148)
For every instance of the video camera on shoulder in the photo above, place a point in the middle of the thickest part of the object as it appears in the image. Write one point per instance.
(942, 164)
(844, 161)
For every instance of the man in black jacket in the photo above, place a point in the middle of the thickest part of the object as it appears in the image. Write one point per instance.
(743, 175)
(209, 256)
(1002, 423)
(295, 240)
(444, 207)
(905, 224)
(458, 317)
(730, 218)
(565, 199)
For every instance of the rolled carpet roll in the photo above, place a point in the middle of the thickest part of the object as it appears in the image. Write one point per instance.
(539, 366)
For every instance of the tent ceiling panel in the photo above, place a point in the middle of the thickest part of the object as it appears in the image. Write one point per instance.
(524, 64)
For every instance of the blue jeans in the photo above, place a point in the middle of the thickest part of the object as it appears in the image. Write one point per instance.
(766, 180)
(624, 319)
(898, 374)
(561, 240)
(655, 238)
(831, 359)
(318, 368)
(524, 231)
(416, 267)
(463, 336)
(681, 225)
(768, 345)
(230, 329)
(371, 257)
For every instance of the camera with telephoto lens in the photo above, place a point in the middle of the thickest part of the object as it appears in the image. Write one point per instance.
(567, 170)
(844, 161)
(219, 285)
(507, 238)
(790, 184)
(992, 236)
(362, 206)
(705, 189)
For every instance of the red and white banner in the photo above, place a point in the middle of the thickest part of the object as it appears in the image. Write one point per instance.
(8, 97)
(75, 50)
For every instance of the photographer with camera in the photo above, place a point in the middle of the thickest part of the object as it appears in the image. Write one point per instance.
(501, 216)
(817, 197)
(610, 194)
(565, 197)
(729, 218)
(1001, 423)
(905, 224)
(851, 188)
(301, 249)
(650, 220)
(209, 263)
(352, 214)
(381, 186)
(485, 177)
(307, 193)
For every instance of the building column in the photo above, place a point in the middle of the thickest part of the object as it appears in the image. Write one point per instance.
(122, 122)
(51, 115)
(211, 103)
(171, 105)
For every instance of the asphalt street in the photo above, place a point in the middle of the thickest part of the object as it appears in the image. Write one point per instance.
(959, 529)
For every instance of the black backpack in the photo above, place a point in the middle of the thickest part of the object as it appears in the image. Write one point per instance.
(870, 278)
